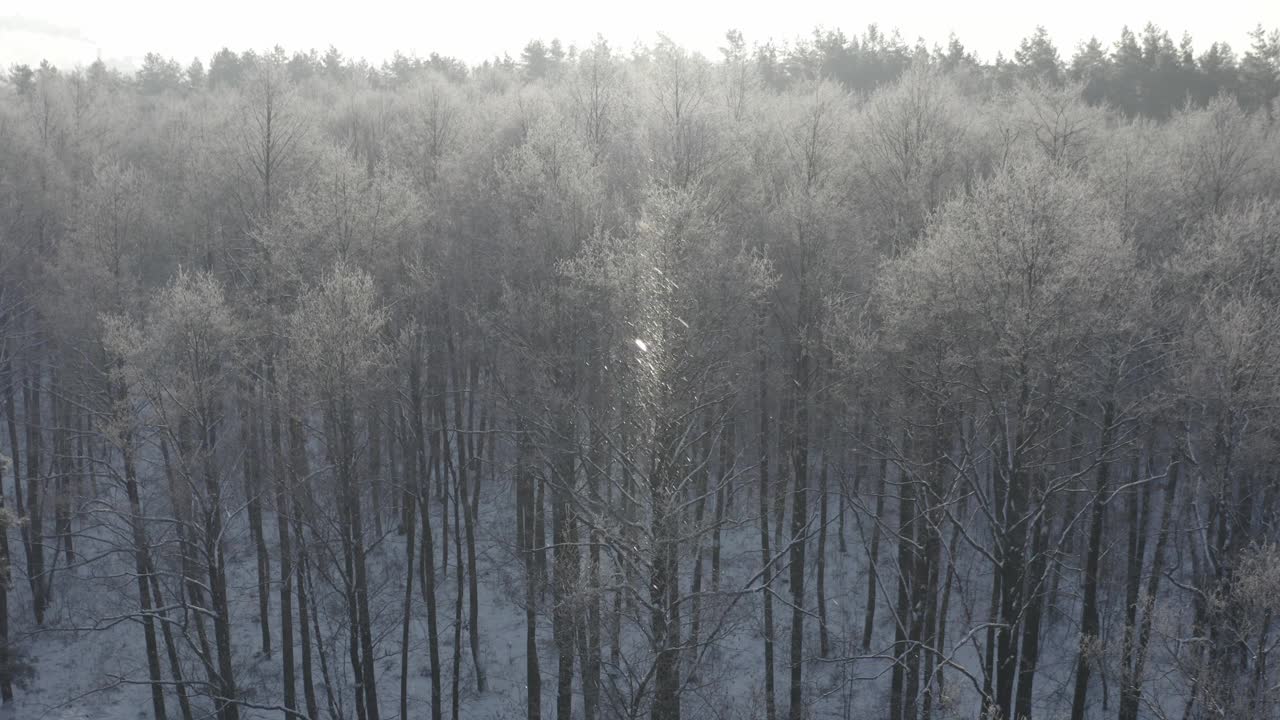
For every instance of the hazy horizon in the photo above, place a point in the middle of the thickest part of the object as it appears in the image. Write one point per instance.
(76, 32)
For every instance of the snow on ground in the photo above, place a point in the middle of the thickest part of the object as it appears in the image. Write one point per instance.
(85, 662)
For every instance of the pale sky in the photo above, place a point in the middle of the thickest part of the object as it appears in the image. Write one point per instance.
(71, 32)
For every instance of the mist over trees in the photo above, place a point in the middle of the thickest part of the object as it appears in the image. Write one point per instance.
(842, 378)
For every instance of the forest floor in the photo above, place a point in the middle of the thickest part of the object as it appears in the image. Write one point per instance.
(90, 669)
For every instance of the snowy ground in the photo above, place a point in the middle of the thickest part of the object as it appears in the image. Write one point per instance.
(85, 668)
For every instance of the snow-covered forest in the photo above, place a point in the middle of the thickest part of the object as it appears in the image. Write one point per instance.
(841, 378)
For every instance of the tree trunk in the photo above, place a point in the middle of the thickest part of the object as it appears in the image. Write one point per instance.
(943, 609)
(142, 565)
(65, 470)
(375, 466)
(35, 514)
(170, 644)
(15, 457)
(699, 514)
(528, 542)
(929, 563)
(280, 477)
(410, 520)
(427, 564)
(770, 704)
(539, 546)
(6, 572)
(786, 412)
(869, 621)
(215, 557)
(901, 693)
(799, 528)
(1011, 495)
(439, 389)
(728, 452)
(1068, 549)
(1137, 515)
(251, 461)
(468, 475)
(298, 470)
(824, 637)
(191, 590)
(565, 576)
(1089, 621)
(6, 676)
(590, 624)
(460, 587)
(989, 659)
(361, 568)
(664, 589)
(1034, 612)
(1131, 694)
(307, 600)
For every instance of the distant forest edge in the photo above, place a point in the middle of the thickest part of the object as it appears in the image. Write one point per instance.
(1144, 74)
